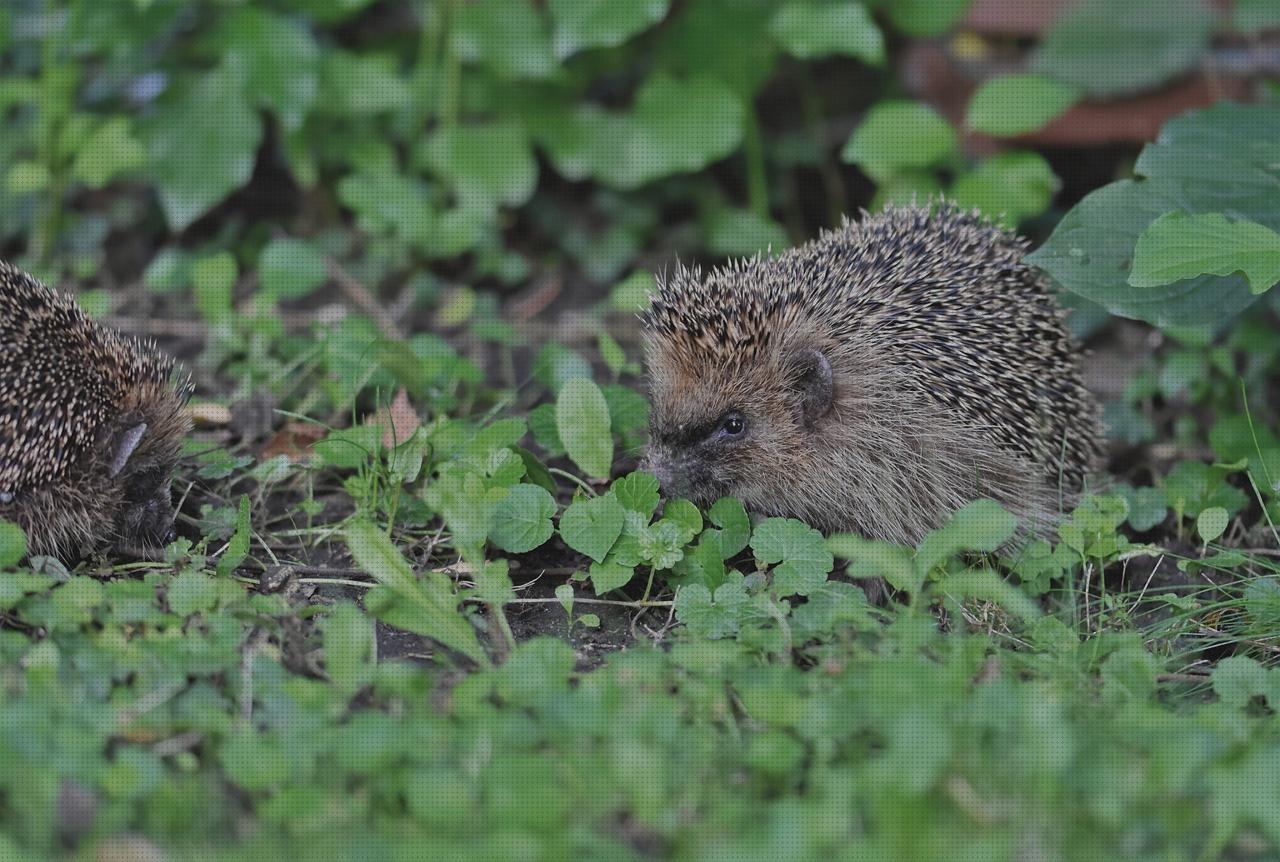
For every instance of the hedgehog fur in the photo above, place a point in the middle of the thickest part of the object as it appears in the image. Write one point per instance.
(871, 381)
(91, 424)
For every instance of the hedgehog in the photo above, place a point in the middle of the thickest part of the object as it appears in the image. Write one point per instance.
(872, 381)
(91, 425)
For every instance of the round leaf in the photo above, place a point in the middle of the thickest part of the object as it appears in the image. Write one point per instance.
(522, 521)
(582, 420)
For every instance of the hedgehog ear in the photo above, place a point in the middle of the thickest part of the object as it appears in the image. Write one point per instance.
(812, 377)
(125, 447)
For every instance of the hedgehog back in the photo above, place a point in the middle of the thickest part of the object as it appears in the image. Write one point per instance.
(62, 378)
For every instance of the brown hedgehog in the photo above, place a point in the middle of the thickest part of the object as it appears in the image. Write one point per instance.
(872, 381)
(91, 424)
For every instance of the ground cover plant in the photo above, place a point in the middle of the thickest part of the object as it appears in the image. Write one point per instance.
(424, 600)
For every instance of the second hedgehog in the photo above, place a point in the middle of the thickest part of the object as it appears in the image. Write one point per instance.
(91, 424)
(872, 381)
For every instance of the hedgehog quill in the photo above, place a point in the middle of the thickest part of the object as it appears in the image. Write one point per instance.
(872, 381)
(91, 425)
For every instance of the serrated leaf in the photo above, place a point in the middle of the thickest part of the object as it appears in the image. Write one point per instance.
(582, 420)
(799, 552)
(522, 521)
(637, 492)
(709, 615)
(591, 526)
(1178, 245)
(730, 516)
(1016, 104)
(662, 544)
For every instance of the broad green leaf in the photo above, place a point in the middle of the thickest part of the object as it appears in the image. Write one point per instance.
(376, 555)
(281, 59)
(511, 37)
(637, 492)
(522, 521)
(1255, 16)
(290, 268)
(982, 525)
(1178, 245)
(1238, 679)
(13, 544)
(895, 135)
(1114, 47)
(713, 616)
(923, 17)
(212, 278)
(1016, 104)
(798, 552)
(580, 24)
(110, 151)
(684, 515)
(192, 591)
(361, 85)
(582, 420)
(986, 584)
(809, 30)
(730, 516)
(1009, 186)
(1212, 523)
(591, 526)
(608, 576)
(493, 161)
(202, 144)
(350, 647)
(740, 232)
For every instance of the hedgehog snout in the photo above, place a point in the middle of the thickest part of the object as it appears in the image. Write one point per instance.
(680, 473)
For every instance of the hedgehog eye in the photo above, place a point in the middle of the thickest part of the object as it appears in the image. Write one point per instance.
(733, 425)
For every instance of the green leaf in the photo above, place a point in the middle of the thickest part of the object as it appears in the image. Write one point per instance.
(13, 544)
(608, 576)
(1220, 159)
(374, 553)
(492, 162)
(740, 232)
(508, 36)
(637, 492)
(582, 420)
(522, 521)
(1114, 47)
(799, 551)
(213, 278)
(350, 647)
(809, 30)
(1178, 245)
(290, 268)
(280, 57)
(684, 515)
(709, 616)
(238, 547)
(1255, 16)
(1009, 186)
(988, 585)
(612, 353)
(1238, 679)
(981, 525)
(591, 526)
(1016, 104)
(580, 24)
(730, 516)
(1212, 523)
(1147, 506)
(895, 135)
(110, 151)
(202, 144)
(662, 544)
(924, 17)
(190, 592)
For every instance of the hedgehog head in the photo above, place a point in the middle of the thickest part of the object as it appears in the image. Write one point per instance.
(738, 378)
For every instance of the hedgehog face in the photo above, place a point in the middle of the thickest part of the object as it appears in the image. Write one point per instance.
(711, 431)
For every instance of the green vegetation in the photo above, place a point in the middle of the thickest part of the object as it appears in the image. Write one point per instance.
(424, 602)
